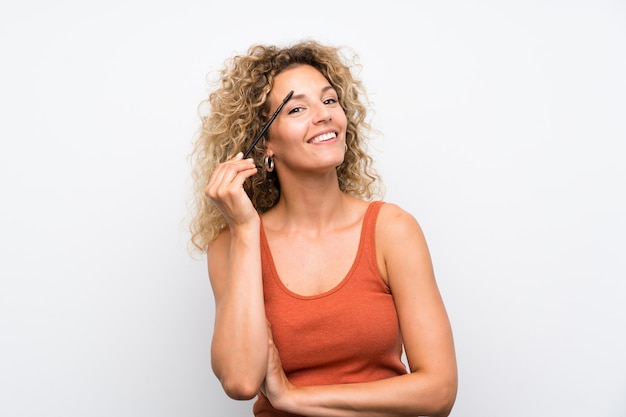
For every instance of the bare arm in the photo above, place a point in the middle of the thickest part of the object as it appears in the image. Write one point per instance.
(239, 348)
(430, 388)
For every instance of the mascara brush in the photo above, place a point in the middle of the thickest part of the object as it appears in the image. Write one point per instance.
(267, 125)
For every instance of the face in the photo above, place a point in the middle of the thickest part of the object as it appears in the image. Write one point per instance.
(309, 133)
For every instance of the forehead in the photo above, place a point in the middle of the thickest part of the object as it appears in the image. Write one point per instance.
(297, 78)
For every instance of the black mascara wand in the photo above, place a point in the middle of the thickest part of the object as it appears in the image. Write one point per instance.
(267, 125)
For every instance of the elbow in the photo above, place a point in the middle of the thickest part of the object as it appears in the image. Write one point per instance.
(444, 408)
(444, 400)
(238, 382)
(241, 388)
(435, 395)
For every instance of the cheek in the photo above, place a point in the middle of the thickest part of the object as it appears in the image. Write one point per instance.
(340, 117)
(291, 133)
(344, 125)
(284, 137)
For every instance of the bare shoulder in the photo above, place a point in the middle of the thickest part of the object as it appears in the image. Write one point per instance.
(394, 222)
(400, 244)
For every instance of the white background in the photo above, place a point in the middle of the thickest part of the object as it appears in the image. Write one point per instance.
(504, 125)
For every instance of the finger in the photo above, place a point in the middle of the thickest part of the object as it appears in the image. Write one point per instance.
(232, 178)
(223, 167)
(225, 173)
(232, 186)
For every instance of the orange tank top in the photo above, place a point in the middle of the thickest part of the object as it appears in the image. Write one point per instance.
(347, 334)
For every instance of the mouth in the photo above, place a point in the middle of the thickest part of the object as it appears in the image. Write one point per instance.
(324, 137)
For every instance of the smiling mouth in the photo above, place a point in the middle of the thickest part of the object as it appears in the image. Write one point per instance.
(323, 138)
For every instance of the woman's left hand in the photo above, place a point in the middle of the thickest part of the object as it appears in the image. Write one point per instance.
(276, 386)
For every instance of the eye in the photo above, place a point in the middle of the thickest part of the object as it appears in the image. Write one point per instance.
(297, 109)
(330, 101)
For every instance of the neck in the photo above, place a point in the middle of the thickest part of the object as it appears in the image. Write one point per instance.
(313, 203)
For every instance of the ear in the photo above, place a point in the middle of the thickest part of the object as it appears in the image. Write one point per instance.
(268, 147)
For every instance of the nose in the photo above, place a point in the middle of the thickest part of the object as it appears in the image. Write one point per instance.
(321, 114)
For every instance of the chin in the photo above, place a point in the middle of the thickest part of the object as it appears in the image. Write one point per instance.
(335, 162)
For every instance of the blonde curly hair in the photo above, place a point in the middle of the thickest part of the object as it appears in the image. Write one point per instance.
(238, 108)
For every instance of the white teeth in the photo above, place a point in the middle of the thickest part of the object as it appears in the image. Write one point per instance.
(323, 138)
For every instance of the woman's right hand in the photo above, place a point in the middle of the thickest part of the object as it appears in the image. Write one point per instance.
(225, 190)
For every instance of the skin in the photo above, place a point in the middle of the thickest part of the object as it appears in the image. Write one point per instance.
(314, 217)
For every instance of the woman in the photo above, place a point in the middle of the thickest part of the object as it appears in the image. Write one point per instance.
(318, 286)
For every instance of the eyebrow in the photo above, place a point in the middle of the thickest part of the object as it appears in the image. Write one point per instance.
(325, 89)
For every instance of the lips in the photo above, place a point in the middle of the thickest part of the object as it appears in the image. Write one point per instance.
(324, 137)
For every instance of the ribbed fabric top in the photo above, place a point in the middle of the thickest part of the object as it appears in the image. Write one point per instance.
(347, 334)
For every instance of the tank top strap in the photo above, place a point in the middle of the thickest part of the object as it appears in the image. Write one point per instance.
(368, 235)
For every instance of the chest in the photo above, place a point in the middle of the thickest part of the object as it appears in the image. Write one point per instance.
(310, 265)
(338, 337)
